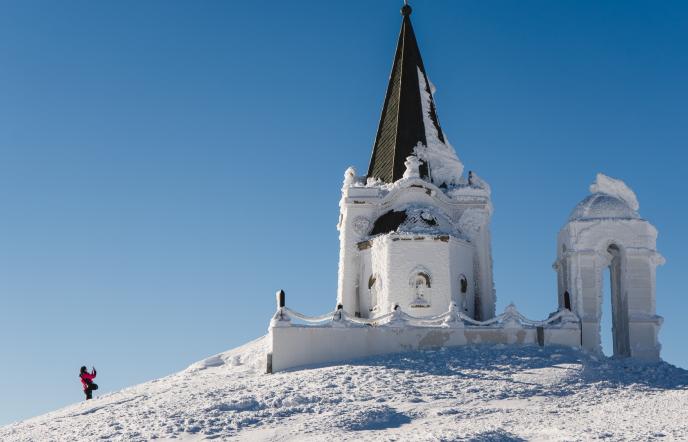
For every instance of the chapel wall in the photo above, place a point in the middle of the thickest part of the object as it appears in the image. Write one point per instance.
(297, 346)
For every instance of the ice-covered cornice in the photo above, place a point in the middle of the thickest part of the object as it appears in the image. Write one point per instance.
(471, 188)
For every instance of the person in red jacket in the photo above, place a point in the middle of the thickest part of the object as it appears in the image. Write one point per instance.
(87, 381)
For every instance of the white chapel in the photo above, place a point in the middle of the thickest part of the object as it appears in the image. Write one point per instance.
(415, 263)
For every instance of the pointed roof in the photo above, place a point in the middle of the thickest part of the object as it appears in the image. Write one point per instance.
(402, 123)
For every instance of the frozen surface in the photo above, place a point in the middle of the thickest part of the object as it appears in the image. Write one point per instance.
(610, 199)
(612, 186)
(464, 393)
(445, 166)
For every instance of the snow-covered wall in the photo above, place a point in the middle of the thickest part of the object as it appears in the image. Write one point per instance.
(396, 262)
(376, 269)
(339, 337)
(301, 346)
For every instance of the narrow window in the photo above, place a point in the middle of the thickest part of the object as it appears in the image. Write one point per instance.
(463, 286)
(567, 301)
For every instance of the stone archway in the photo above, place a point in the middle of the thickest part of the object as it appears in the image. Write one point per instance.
(605, 233)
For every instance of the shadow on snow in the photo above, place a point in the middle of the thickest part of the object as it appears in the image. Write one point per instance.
(500, 362)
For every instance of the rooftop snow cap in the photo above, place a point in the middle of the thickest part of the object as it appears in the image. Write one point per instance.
(611, 198)
(415, 219)
(408, 124)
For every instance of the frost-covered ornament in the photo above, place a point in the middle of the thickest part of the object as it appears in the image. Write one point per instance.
(614, 187)
(510, 318)
(475, 181)
(412, 164)
(362, 225)
(453, 319)
(280, 318)
(609, 199)
(349, 177)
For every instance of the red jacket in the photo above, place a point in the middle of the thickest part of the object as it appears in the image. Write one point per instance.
(87, 378)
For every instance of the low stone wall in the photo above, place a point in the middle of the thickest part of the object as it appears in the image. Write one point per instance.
(297, 345)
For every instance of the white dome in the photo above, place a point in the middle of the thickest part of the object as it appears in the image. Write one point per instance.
(603, 206)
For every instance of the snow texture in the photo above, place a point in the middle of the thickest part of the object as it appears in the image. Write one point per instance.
(412, 164)
(425, 219)
(445, 166)
(610, 199)
(349, 177)
(465, 393)
(617, 188)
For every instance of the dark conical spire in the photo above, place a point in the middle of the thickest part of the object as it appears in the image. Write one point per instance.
(402, 124)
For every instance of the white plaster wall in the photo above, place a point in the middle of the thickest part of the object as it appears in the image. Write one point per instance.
(396, 258)
(475, 222)
(297, 346)
(568, 336)
(462, 259)
(356, 208)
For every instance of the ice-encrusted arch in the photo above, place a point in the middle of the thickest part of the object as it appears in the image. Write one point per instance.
(420, 270)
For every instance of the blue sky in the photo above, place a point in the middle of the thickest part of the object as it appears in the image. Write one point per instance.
(166, 166)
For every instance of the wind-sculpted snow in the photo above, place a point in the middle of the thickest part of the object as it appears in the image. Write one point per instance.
(478, 393)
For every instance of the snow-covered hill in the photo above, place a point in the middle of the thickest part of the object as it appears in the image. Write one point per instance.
(465, 393)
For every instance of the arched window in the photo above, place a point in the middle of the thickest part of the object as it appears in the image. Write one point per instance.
(422, 280)
(460, 299)
(567, 301)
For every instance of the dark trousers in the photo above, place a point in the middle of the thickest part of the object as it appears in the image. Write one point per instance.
(89, 391)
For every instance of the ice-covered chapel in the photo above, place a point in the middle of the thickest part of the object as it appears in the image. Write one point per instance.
(415, 264)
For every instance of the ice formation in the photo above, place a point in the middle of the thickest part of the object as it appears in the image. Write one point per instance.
(349, 177)
(610, 199)
(412, 164)
(614, 187)
(443, 163)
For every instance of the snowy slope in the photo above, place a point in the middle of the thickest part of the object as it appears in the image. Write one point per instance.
(466, 393)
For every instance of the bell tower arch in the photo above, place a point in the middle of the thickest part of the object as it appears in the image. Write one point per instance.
(606, 234)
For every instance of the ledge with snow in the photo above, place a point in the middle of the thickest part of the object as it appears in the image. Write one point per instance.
(340, 337)
(414, 258)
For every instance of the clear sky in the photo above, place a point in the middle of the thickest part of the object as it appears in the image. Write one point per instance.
(166, 166)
